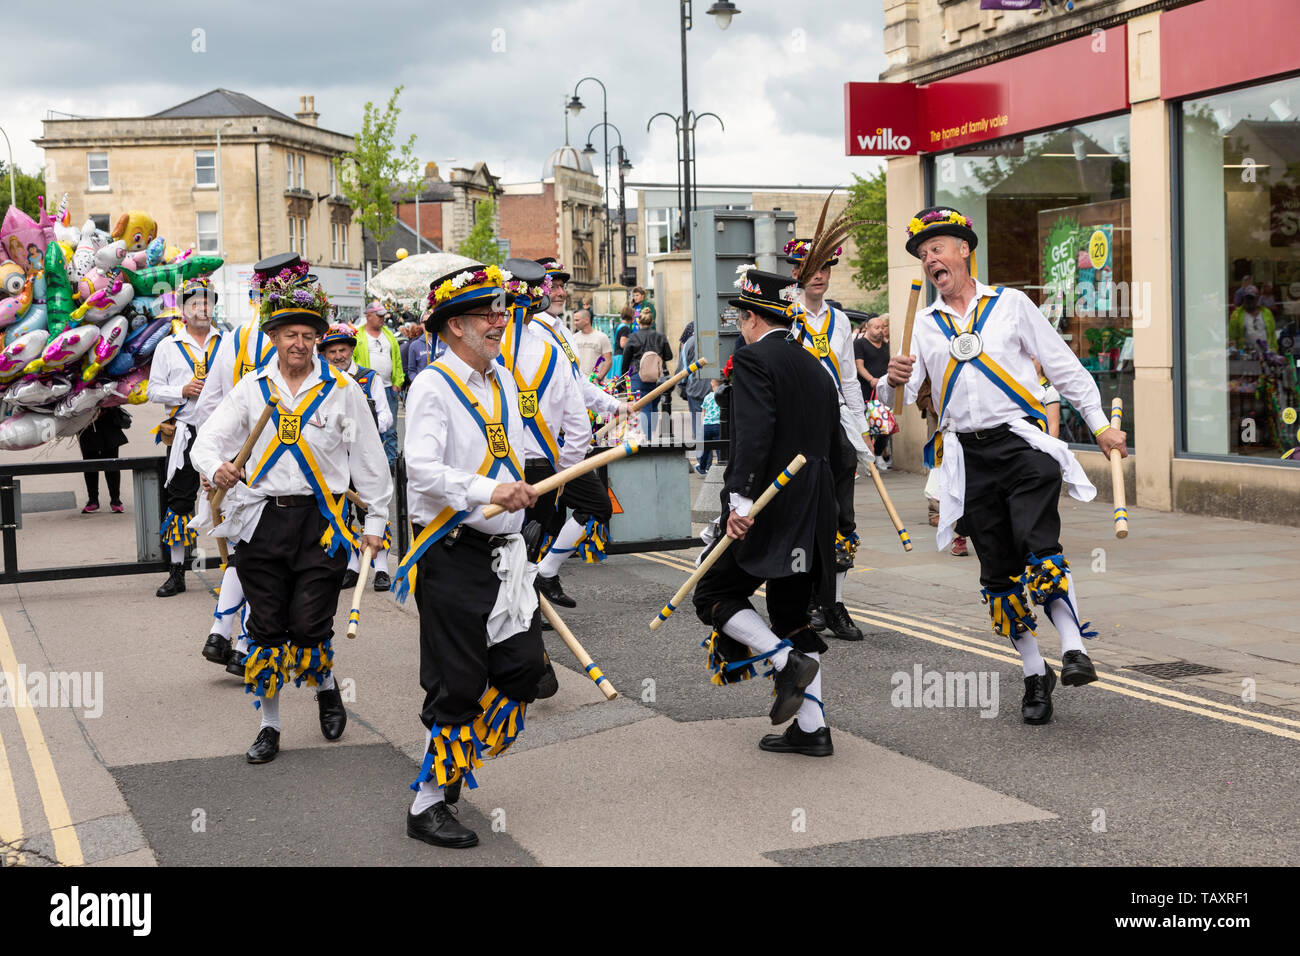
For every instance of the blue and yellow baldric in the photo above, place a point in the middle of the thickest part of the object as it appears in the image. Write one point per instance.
(563, 344)
(499, 455)
(530, 403)
(245, 361)
(994, 372)
(818, 344)
(200, 371)
(288, 426)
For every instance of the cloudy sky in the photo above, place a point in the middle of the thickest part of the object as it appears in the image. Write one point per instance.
(483, 81)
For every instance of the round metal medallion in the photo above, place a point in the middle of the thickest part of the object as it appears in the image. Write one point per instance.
(965, 346)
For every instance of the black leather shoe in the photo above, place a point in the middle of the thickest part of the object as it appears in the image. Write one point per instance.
(554, 593)
(797, 674)
(841, 625)
(1077, 669)
(333, 718)
(451, 792)
(175, 583)
(349, 580)
(235, 666)
(1036, 708)
(217, 649)
(382, 581)
(438, 826)
(265, 747)
(796, 740)
(549, 684)
(815, 617)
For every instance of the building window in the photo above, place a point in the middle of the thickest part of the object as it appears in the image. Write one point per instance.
(1241, 272)
(205, 167)
(205, 226)
(97, 170)
(1052, 214)
(334, 179)
(629, 243)
(101, 221)
(288, 172)
(302, 162)
(656, 231)
(293, 245)
(343, 242)
(302, 237)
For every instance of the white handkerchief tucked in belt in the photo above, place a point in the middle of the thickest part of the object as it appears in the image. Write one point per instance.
(516, 599)
(176, 452)
(854, 433)
(1072, 473)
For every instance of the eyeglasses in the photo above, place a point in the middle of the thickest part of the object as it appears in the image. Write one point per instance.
(491, 316)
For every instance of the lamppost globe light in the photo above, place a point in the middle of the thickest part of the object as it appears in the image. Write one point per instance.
(589, 150)
(575, 106)
(724, 10)
(626, 165)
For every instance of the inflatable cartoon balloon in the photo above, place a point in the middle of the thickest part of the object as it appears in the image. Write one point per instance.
(33, 320)
(13, 307)
(26, 430)
(16, 356)
(65, 348)
(137, 228)
(58, 290)
(111, 337)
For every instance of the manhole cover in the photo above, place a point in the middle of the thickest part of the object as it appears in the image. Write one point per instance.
(1174, 669)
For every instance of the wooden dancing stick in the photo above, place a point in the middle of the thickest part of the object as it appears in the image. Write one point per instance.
(1117, 473)
(654, 393)
(889, 508)
(912, 300)
(568, 474)
(579, 651)
(241, 459)
(354, 616)
(720, 548)
(355, 498)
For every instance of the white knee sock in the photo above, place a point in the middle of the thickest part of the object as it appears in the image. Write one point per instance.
(354, 560)
(810, 716)
(380, 563)
(328, 683)
(428, 794)
(748, 628)
(178, 553)
(839, 586)
(561, 548)
(232, 595)
(241, 643)
(1065, 619)
(270, 711)
(1030, 657)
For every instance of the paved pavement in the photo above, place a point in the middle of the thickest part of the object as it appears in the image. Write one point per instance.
(145, 766)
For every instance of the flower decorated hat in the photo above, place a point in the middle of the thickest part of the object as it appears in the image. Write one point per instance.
(339, 332)
(289, 298)
(554, 269)
(467, 288)
(198, 285)
(796, 250)
(767, 294)
(939, 221)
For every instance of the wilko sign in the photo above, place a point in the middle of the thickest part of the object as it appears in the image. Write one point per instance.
(880, 119)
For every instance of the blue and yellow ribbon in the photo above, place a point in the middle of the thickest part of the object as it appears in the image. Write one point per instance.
(821, 350)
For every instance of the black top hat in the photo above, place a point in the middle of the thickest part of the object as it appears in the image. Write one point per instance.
(767, 294)
(456, 293)
(527, 275)
(198, 285)
(939, 221)
(797, 249)
(554, 268)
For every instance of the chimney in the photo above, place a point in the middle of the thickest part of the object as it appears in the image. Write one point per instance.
(431, 173)
(307, 110)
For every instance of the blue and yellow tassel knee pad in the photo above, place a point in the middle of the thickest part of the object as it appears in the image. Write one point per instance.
(310, 664)
(593, 546)
(846, 547)
(1009, 611)
(453, 753)
(176, 529)
(1047, 579)
(266, 671)
(500, 723)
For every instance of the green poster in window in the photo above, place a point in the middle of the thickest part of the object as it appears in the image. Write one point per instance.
(1058, 257)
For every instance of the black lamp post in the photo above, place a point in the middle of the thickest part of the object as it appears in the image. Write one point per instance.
(688, 197)
(624, 166)
(575, 107)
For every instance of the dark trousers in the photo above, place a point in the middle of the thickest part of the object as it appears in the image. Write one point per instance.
(96, 444)
(1013, 495)
(844, 485)
(586, 495)
(455, 590)
(182, 491)
(726, 588)
(291, 584)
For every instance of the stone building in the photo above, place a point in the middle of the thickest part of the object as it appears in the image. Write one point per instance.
(1129, 165)
(448, 210)
(268, 185)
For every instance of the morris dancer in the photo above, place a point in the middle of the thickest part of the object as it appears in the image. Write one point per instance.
(587, 531)
(826, 333)
(176, 379)
(338, 346)
(287, 514)
(998, 471)
(781, 405)
(481, 653)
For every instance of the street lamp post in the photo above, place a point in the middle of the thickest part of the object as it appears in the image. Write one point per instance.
(575, 107)
(689, 196)
(723, 10)
(13, 193)
(221, 195)
(623, 167)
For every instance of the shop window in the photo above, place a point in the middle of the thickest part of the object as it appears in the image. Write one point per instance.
(1241, 272)
(1053, 217)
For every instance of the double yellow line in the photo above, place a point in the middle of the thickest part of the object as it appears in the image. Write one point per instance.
(67, 848)
(944, 634)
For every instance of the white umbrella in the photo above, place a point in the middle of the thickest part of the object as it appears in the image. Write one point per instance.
(407, 280)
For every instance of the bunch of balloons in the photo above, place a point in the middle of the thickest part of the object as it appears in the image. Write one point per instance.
(81, 311)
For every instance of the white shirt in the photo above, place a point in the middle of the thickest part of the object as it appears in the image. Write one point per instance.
(561, 402)
(445, 445)
(170, 372)
(382, 411)
(341, 435)
(840, 341)
(221, 373)
(380, 356)
(590, 346)
(1014, 333)
(596, 398)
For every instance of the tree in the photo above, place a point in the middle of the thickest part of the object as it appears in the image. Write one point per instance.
(27, 188)
(375, 179)
(867, 201)
(481, 243)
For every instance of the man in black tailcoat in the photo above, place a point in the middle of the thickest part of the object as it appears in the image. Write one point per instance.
(782, 405)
